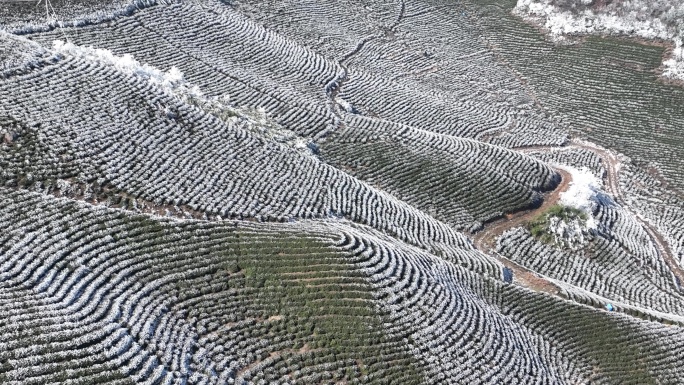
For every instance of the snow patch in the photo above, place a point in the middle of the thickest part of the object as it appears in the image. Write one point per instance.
(348, 107)
(630, 22)
(173, 83)
(582, 194)
(570, 233)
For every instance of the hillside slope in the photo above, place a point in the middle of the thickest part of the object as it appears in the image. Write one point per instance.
(213, 192)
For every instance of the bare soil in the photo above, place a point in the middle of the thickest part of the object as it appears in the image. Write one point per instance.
(612, 166)
(485, 239)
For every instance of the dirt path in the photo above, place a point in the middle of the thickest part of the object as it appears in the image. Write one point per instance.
(485, 240)
(528, 278)
(612, 165)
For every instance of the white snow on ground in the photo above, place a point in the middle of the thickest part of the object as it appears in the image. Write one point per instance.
(173, 83)
(572, 234)
(582, 193)
(633, 20)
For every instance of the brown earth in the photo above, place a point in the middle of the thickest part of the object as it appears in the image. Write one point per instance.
(611, 182)
(485, 240)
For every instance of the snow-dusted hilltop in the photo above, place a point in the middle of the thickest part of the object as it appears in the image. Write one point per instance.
(648, 19)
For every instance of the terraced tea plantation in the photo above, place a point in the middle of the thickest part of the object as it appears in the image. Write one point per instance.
(339, 192)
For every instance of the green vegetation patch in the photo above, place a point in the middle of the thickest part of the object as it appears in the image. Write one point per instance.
(540, 226)
(289, 305)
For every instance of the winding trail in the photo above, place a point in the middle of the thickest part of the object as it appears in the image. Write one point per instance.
(485, 240)
(612, 165)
